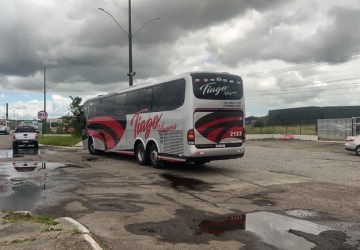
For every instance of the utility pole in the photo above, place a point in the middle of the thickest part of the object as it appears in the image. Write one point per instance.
(131, 73)
(7, 112)
(44, 121)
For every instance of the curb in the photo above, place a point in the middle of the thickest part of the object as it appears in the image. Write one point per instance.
(86, 233)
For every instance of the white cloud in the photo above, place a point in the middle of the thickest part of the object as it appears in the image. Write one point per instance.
(314, 44)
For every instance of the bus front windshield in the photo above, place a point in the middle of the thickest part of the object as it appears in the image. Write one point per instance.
(217, 86)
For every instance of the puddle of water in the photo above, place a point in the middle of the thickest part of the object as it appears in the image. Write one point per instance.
(273, 228)
(232, 223)
(8, 154)
(27, 180)
(24, 198)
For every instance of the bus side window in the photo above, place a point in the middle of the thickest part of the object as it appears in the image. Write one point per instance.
(168, 96)
(120, 104)
(138, 100)
(92, 109)
(109, 105)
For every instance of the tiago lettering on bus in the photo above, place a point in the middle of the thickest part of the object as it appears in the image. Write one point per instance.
(143, 125)
(210, 89)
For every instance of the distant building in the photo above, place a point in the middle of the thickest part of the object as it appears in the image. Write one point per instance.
(310, 115)
(54, 123)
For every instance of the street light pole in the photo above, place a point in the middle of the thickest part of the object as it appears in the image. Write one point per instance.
(131, 73)
(130, 36)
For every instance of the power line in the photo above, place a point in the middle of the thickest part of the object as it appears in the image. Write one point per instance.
(303, 66)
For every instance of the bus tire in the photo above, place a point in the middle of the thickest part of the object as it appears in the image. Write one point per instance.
(153, 154)
(200, 163)
(141, 155)
(91, 148)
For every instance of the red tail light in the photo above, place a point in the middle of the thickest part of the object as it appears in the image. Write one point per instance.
(191, 136)
(13, 136)
(350, 139)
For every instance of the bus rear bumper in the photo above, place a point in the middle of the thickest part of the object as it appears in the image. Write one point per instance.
(217, 153)
(206, 155)
(214, 158)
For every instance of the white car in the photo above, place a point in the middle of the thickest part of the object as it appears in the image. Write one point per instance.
(353, 144)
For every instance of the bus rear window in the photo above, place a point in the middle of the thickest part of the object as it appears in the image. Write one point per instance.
(217, 86)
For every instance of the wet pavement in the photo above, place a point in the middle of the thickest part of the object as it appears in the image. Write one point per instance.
(259, 230)
(281, 229)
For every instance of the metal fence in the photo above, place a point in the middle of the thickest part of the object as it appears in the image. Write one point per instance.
(356, 125)
(334, 129)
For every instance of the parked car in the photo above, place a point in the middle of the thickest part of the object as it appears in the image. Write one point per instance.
(25, 135)
(353, 144)
(4, 127)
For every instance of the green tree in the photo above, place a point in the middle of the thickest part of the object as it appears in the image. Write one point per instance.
(75, 107)
(259, 124)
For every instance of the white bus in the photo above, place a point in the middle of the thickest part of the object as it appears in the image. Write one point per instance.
(194, 117)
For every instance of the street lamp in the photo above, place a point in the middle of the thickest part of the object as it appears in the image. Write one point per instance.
(130, 36)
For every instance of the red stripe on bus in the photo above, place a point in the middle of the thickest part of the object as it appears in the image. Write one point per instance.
(209, 124)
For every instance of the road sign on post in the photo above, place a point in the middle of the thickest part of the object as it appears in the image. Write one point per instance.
(42, 115)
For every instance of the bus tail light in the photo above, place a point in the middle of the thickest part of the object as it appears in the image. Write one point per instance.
(13, 136)
(191, 136)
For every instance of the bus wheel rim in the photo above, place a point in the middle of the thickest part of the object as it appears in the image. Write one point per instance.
(140, 154)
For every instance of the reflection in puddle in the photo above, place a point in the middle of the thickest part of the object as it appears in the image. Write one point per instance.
(27, 179)
(232, 223)
(25, 151)
(273, 229)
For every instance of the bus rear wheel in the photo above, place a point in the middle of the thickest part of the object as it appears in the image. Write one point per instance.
(200, 163)
(141, 154)
(92, 149)
(154, 160)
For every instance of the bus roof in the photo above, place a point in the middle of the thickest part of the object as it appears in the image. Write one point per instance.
(169, 78)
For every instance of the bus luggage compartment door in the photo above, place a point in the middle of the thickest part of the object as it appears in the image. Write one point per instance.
(219, 128)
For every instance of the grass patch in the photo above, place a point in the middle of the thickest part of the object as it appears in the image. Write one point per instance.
(77, 231)
(67, 141)
(15, 217)
(23, 240)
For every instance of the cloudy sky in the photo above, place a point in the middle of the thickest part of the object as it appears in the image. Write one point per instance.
(290, 53)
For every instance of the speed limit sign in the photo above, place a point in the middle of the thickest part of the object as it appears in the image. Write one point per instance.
(42, 115)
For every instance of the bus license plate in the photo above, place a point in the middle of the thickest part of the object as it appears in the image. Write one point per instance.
(220, 145)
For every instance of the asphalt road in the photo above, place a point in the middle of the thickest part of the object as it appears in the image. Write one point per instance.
(282, 194)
